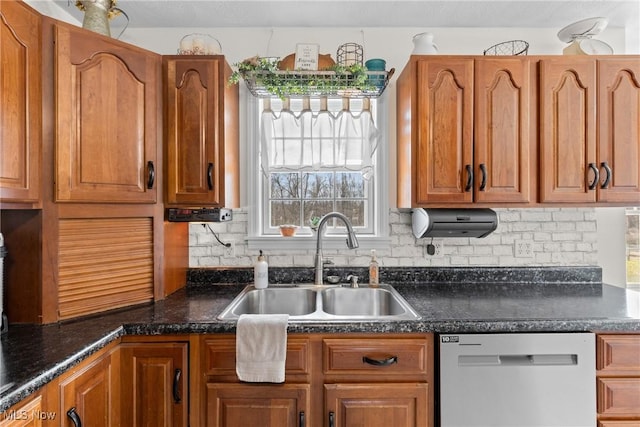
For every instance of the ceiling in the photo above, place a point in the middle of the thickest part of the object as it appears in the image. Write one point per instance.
(370, 13)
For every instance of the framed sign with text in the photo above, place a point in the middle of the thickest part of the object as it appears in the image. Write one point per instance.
(307, 56)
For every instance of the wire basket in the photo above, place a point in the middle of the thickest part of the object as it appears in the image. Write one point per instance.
(511, 47)
(316, 83)
(349, 54)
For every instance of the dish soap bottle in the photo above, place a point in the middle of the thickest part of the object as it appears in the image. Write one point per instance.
(261, 273)
(373, 269)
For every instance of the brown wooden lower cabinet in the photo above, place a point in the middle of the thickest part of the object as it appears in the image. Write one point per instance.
(377, 405)
(619, 424)
(24, 414)
(154, 384)
(338, 380)
(88, 395)
(618, 380)
(264, 405)
(342, 380)
(619, 397)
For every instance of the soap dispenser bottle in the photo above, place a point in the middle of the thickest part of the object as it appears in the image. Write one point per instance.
(374, 271)
(261, 273)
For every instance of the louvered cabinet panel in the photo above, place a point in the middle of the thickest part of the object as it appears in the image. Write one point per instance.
(104, 263)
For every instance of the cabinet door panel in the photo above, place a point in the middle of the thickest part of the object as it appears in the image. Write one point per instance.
(201, 132)
(619, 396)
(192, 148)
(264, 405)
(90, 392)
(20, 103)
(220, 356)
(619, 129)
(443, 163)
(502, 140)
(567, 130)
(618, 423)
(377, 405)
(106, 118)
(347, 357)
(154, 384)
(618, 354)
(24, 415)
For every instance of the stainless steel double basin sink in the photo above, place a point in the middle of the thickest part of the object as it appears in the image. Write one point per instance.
(325, 303)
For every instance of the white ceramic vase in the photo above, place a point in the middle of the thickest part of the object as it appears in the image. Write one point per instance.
(423, 44)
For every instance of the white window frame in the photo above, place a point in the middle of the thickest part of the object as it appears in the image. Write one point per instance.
(379, 239)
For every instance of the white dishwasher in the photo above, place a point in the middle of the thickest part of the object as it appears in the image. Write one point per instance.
(518, 380)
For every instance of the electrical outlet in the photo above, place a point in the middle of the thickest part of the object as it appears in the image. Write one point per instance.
(230, 251)
(435, 248)
(523, 249)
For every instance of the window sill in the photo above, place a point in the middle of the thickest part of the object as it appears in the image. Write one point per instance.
(308, 242)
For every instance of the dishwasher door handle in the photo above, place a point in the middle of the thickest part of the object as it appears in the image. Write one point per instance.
(518, 360)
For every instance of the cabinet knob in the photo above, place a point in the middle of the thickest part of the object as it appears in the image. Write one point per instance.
(176, 386)
(607, 179)
(469, 185)
(74, 417)
(151, 178)
(210, 176)
(331, 419)
(380, 362)
(301, 419)
(596, 176)
(483, 182)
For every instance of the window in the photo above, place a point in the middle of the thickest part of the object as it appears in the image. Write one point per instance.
(309, 157)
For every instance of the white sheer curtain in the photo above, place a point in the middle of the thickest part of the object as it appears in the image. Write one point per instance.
(314, 140)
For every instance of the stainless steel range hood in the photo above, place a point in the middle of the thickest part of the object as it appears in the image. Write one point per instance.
(453, 222)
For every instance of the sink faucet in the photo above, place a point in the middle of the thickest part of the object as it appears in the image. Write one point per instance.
(352, 241)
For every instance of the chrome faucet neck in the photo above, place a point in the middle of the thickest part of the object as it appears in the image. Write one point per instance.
(352, 241)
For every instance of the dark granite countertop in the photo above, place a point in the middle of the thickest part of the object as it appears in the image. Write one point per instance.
(32, 355)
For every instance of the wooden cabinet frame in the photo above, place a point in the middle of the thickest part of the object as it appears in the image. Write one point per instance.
(323, 372)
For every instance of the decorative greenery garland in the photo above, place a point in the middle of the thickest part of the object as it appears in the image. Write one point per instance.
(265, 73)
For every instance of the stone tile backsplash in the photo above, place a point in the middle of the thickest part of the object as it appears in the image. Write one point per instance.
(557, 236)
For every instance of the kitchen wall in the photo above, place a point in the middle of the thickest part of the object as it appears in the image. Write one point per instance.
(558, 236)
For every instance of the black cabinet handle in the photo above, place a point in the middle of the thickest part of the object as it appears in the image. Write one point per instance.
(152, 174)
(210, 176)
(331, 420)
(176, 386)
(596, 176)
(607, 179)
(483, 183)
(74, 417)
(380, 362)
(469, 178)
(301, 419)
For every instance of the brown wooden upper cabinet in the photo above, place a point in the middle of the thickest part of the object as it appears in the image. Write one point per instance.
(464, 133)
(20, 103)
(107, 112)
(201, 132)
(590, 129)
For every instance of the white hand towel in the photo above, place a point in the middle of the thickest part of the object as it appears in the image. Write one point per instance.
(261, 347)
